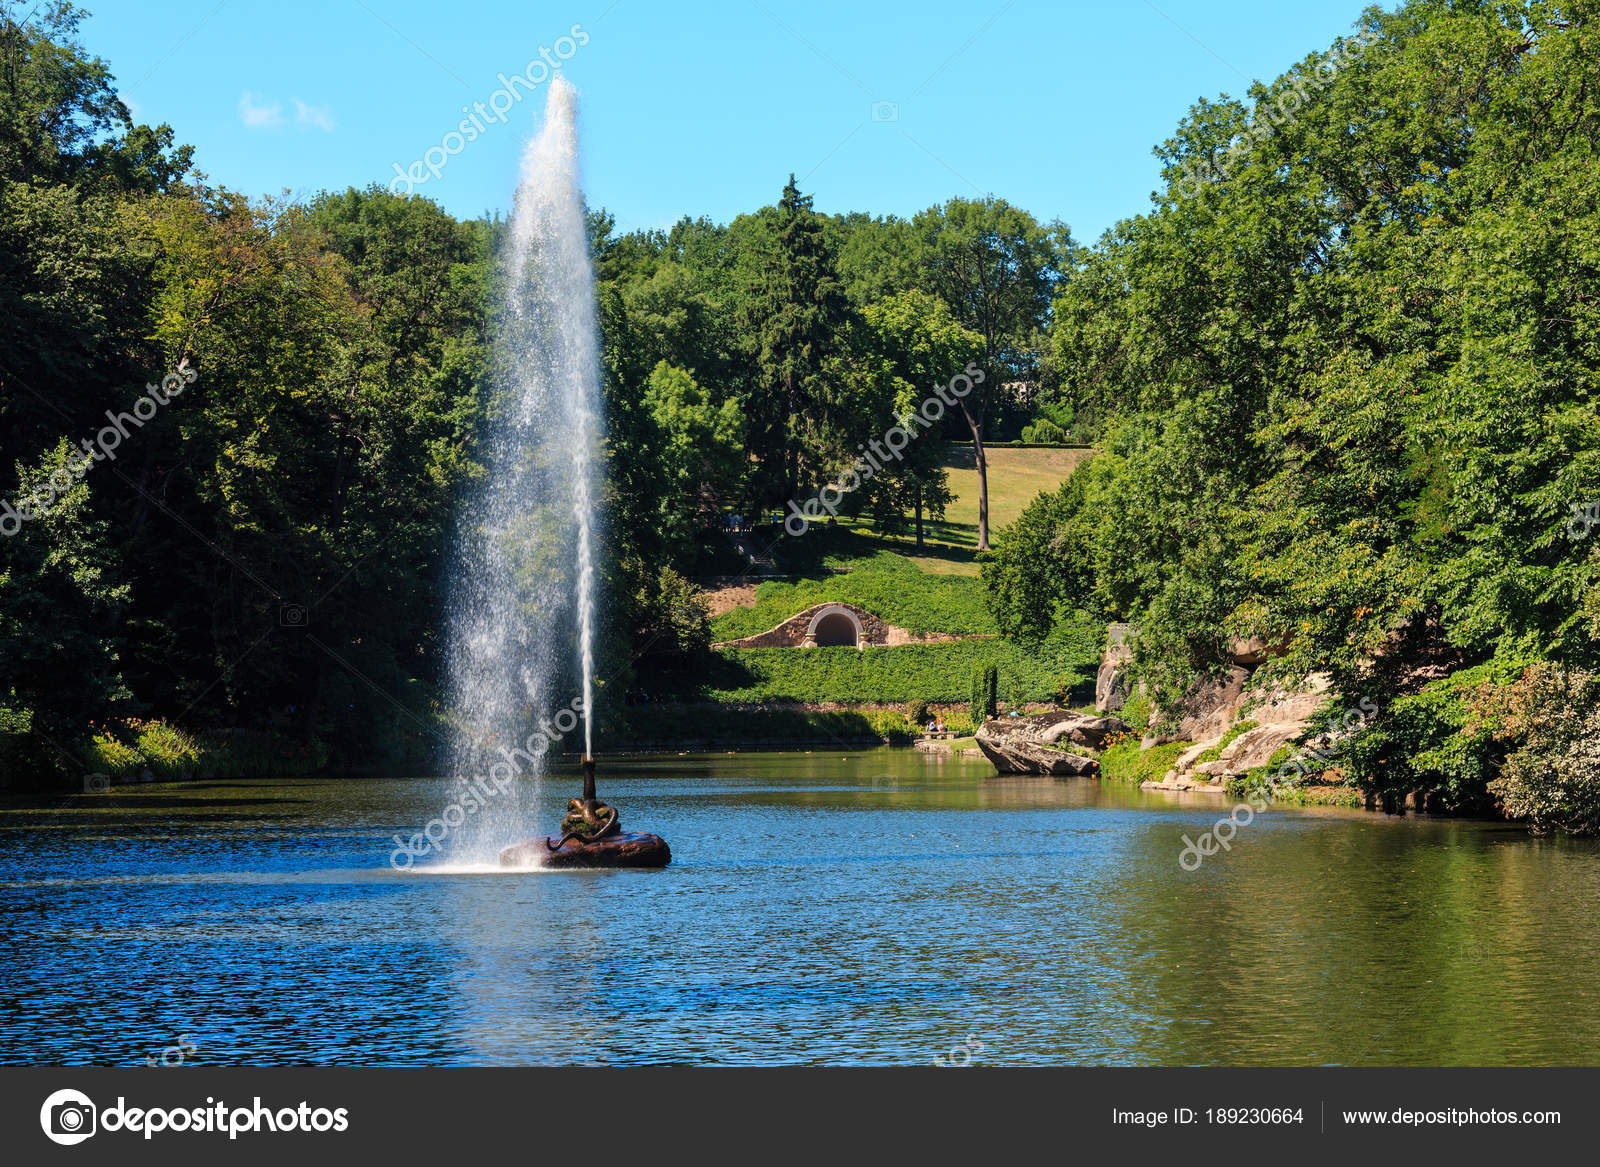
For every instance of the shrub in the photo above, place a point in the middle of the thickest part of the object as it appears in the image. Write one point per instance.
(1136, 712)
(107, 754)
(1123, 761)
(168, 751)
(1553, 778)
(1234, 731)
(1444, 738)
(244, 754)
(1044, 431)
(984, 702)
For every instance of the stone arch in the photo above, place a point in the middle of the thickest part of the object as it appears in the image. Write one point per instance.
(835, 625)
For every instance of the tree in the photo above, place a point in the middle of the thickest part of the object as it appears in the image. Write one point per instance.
(61, 121)
(700, 458)
(997, 268)
(926, 347)
(793, 313)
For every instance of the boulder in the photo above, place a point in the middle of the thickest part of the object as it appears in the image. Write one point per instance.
(1034, 744)
(1251, 651)
(620, 850)
(1208, 708)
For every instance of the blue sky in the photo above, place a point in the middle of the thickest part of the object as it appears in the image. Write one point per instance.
(706, 108)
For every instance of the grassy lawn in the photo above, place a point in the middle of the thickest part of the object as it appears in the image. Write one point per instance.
(1016, 478)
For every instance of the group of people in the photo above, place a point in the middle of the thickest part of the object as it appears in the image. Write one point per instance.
(936, 723)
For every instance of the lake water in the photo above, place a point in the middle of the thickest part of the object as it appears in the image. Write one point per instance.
(880, 907)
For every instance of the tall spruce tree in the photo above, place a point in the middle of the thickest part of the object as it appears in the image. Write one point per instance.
(795, 315)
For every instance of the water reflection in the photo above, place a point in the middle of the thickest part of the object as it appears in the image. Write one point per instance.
(876, 908)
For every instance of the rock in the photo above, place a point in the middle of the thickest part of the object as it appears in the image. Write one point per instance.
(1031, 745)
(1177, 782)
(1256, 650)
(1208, 708)
(613, 851)
(1281, 717)
(1111, 682)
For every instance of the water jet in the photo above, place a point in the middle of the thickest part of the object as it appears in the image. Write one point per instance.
(524, 599)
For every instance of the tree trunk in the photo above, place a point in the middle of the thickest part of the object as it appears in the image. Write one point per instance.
(919, 515)
(976, 426)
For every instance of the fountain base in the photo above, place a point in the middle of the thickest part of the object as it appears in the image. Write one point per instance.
(617, 850)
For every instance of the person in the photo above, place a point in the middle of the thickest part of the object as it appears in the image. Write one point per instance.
(939, 722)
(930, 725)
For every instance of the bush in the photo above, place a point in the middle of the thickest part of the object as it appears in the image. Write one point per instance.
(935, 673)
(719, 725)
(1045, 431)
(1234, 731)
(107, 754)
(1136, 712)
(244, 754)
(1124, 761)
(1553, 778)
(1443, 738)
(168, 751)
(984, 701)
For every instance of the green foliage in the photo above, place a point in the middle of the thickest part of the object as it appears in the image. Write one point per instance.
(700, 453)
(1136, 712)
(1044, 432)
(887, 585)
(1229, 736)
(675, 616)
(937, 672)
(1552, 778)
(168, 751)
(982, 701)
(725, 725)
(1126, 762)
(1347, 412)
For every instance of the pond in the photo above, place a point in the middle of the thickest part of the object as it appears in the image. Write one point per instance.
(882, 907)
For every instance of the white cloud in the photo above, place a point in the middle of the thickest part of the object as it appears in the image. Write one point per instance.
(318, 116)
(256, 114)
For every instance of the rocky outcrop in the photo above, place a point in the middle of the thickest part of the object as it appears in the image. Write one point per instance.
(1281, 716)
(1251, 651)
(1111, 682)
(1037, 744)
(1207, 709)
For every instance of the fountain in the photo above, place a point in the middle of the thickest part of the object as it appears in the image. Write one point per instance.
(523, 608)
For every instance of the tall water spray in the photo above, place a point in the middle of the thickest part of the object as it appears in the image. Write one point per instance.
(523, 598)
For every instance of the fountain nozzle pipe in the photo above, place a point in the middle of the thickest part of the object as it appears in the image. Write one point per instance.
(589, 798)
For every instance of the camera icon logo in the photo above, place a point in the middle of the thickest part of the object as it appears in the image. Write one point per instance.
(885, 111)
(292, 616)
(96, 783)
(68, 1117)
